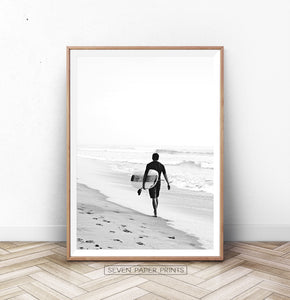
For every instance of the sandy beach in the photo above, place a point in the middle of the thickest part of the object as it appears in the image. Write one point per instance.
(106, 225)
(112, 216)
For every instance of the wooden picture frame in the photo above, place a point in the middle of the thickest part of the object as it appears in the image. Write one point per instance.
(99, 76)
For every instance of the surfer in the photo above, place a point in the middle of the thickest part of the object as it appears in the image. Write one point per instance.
(154, 192)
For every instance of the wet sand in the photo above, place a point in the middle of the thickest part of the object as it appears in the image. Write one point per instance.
(103, 224)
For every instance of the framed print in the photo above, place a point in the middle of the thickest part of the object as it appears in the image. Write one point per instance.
(145, 153)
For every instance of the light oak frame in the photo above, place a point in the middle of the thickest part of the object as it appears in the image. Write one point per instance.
(68, 131)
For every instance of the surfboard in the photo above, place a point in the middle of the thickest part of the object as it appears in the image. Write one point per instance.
(151, 180)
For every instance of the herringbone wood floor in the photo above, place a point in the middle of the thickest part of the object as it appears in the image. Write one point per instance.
(40, 271)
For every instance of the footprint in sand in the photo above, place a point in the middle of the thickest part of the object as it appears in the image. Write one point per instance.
(126, 230)
(81, 247)
(89, 241)
(112, 231)
(95, 218)
(139, 243)
(172, 237)
(123, 225)
(80, 240)
(143, 236)
(106, 221)
(143, 227)
(117, 240)
(131, 219)
(89, 213)
(110, 247)
(97, 245)
(117, 212)
(99, 224)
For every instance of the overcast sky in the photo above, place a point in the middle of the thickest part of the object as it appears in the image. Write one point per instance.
(146, 99)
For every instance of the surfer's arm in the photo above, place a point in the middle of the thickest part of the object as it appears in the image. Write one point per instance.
(145, 177)
(166, 178)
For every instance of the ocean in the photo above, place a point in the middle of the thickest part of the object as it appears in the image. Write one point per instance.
(187, 168)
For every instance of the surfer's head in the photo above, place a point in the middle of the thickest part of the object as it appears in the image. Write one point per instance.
(155, 156)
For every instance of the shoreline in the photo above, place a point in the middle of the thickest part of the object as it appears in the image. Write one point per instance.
(103, 224)
(188, 211)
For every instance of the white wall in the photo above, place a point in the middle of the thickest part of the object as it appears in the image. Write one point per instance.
(256, 36)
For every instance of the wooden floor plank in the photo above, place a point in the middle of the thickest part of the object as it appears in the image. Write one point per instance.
(19, 273)
(230, 254)
(61, 244)
(95, 274)
(14, 282)
(255, 248)
(105, 280)
(267, 262)
(10, 292)
(99, 265)
(227, 246)
(266, 269)
(165, 292)
(242, 250)
(150, 296)
(60, 251)
(284, 248)
(276, 296)
(64, 273)
(190, 278)
(191, 269)
(7, 245)
(177, 285)
(24, 258)
(112, 289)
(233, 289)
(286, 255)
(269, 277)
(224, 278)
(3, 252)
(62, 286)
(266, 245)
(276, 287)
(254, 293)
(132, 293)
(23, 265)
(26, 246)
(41, 291)
(218, 268)
(27, 252)
(201, 264)
(75, 266)
(24, 296)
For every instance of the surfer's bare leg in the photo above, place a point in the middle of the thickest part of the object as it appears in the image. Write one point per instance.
(154, 204)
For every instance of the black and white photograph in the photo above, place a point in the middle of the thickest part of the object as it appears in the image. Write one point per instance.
(145, 152)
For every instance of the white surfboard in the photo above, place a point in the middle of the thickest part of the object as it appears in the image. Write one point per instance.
(151, 180)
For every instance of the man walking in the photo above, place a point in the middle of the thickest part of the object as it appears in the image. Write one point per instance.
(154, 192)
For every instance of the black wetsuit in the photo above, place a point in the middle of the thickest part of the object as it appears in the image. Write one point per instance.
(157, 166)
